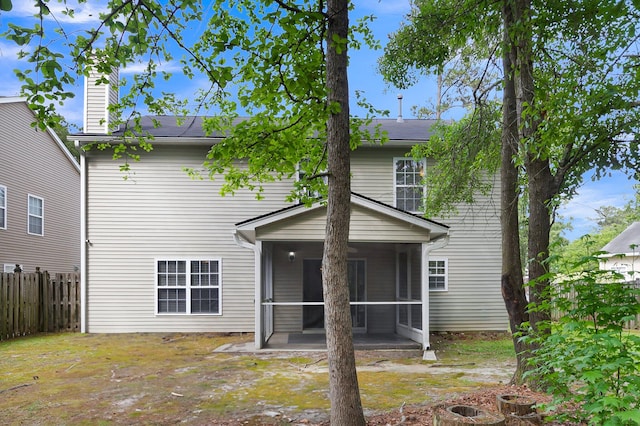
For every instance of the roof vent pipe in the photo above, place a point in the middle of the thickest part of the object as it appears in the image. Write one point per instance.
(400, 119)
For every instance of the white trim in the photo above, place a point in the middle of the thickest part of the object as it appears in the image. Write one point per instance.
(187, 286)
(4, 207)
(64, 149)
(258, 338)
(446, 274)
(247, 229)
(12, 99)
(391, 302)
(257, 285)
(426, 247)
(41, 217)
(84, 242)
(395, 184)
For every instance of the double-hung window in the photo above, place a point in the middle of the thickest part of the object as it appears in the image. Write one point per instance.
(438, 276)
(188, 286)
(409, 189)
(35, 220)
(3, 207)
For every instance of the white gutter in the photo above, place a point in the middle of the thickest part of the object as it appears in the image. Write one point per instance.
(84, 242)
(257, 249)
(427, 248)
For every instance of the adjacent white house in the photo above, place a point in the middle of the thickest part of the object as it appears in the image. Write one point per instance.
(163, 252)
(39, 195)
(623, 253)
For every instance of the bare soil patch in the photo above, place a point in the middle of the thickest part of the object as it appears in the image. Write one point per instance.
(179, 378)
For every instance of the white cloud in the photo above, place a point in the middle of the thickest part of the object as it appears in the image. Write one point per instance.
(140, 67)
(615, 191)
(9, 52)
(83, 13)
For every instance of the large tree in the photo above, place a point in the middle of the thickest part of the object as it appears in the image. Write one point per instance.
(573, 70)
(284, 62)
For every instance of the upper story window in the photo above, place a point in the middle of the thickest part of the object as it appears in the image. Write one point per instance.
(306, 186)
(188, 286)
(409, 189)
(3, 207)
(438, 274)
(35, 222)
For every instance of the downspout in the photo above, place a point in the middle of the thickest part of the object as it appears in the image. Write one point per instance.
(427, 248)
(257, 249)
(84, 242)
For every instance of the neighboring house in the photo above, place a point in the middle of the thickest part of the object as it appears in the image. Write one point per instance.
(165, 252)
(623, 253)
(39, 195)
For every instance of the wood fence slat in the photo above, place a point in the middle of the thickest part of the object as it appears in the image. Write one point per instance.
(4, 305)
(38, 302)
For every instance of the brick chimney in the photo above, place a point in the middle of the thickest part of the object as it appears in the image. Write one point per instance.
(97, 98)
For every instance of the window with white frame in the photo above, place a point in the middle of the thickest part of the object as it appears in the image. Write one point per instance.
(438, 274)
(3, 207)
(409, 189)
(306, 185)
(11, 267)
(188, 286)
(35, 221)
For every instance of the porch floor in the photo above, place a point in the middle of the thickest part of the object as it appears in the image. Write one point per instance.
(317, 341)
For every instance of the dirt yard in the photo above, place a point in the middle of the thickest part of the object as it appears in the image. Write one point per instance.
(180, 378)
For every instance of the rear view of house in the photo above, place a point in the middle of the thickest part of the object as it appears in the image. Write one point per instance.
(39, 195)
(165, 252)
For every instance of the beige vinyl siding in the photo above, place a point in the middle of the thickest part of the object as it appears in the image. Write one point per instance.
(158, 212)
(372, 172)
(97, 98)
(474, 299)
(33, 163)
(365, 225)
(288, 288)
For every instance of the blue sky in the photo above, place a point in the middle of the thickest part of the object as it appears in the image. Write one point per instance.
(611, 191)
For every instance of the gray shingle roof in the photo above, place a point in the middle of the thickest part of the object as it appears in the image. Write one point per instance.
(408, 130)
(623, 242)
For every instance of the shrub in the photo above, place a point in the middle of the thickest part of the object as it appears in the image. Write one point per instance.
(589, 359)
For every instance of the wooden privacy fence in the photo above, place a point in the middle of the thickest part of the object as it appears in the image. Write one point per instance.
(38, 302)
(634, 323)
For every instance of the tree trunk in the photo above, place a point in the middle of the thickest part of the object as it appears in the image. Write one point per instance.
(541, 183)
(346, 407)
(512, 281)
(541, 189)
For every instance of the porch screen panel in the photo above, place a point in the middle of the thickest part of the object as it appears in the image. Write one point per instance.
(416, 289)
(403, 288)
(357, 284)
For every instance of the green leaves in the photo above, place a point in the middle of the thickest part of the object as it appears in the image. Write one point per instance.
(263, 57)
(589, 358)
(5, 5)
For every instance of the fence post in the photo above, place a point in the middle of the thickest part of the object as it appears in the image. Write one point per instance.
(4, 305)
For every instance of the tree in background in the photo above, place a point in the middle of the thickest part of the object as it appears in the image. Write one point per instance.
(570, 89)
(283, 62)
(61, 129)
(610, 221)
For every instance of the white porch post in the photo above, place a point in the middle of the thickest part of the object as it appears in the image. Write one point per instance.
(425, 295)
(258, 294)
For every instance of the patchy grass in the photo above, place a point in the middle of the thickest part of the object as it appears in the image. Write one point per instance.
(167, 378)
(473, 348)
